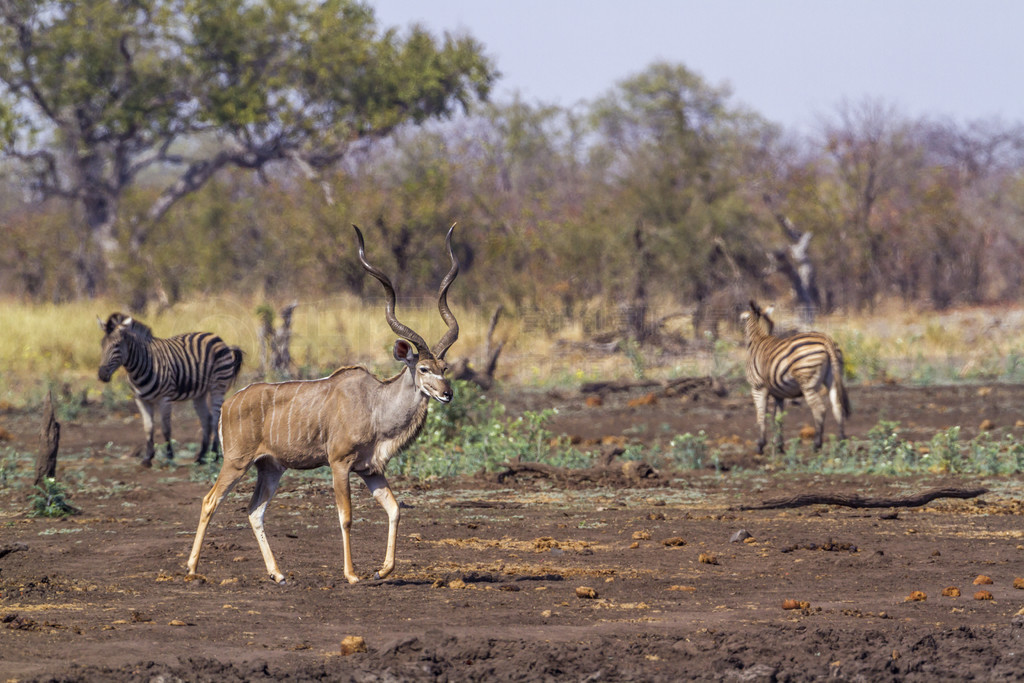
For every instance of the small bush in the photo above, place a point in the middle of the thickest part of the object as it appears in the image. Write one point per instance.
(472, 434)
(50, 500)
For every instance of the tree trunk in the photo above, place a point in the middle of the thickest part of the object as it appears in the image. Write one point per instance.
(637, 309)
(275, 352)
(49, 443)
(795, 263)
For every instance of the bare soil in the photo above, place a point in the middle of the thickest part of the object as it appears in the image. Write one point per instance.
(530, 579)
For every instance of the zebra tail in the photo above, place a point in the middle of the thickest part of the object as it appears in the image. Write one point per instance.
(236, 354)
(838, 370)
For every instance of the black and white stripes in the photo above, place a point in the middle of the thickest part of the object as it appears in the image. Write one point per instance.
(195, 366)
(802, 364)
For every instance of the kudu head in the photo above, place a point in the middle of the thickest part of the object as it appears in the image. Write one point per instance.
(427, 366)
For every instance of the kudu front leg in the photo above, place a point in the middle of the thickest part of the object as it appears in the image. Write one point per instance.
(343, 499)
(381, 491)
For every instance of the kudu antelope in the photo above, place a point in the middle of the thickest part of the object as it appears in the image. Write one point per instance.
(350, 421)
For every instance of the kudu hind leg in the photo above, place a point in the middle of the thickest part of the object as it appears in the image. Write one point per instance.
(226, 480)
(269, 476)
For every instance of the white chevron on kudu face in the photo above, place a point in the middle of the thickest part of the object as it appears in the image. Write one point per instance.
(350, 421)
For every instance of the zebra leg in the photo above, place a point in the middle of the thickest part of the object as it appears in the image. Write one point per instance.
(216, 401)
(146, 410)
(761, 406)
(777, 405)
(203, 411)
(165, 425)
(837, 409)
(817, 405)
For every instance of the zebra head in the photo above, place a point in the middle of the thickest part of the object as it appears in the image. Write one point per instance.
(757, 321)
(114, 330)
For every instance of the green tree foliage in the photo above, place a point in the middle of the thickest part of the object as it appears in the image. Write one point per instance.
(96, 93)
(645, 202)
(677, 160)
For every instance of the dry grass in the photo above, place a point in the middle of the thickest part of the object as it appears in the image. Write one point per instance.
(58, 345)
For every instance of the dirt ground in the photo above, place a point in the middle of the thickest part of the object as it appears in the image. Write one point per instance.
(527, 579)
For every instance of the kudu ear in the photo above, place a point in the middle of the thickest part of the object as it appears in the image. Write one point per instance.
(405, 352)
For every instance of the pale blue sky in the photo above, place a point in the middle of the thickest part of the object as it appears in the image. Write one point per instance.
(792, 61)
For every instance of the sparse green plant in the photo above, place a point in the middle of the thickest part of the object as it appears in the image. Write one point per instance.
(472, 434)
(9, 467)
(688, 451)
(945, 452)
(51, 500)
(888, 452)
(204, 472)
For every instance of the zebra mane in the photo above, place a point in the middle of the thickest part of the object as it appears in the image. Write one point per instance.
(141, 331)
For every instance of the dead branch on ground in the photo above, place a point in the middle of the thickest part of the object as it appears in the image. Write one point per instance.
(858, 501)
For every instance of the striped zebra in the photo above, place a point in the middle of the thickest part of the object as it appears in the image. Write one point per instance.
(195, 365)
(802, 364)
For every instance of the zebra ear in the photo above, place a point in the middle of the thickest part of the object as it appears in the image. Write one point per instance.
(127, 322)
(768, 311)
(103, 325)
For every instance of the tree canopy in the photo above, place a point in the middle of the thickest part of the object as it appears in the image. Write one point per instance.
(96, 93)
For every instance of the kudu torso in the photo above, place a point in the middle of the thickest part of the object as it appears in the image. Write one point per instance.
(351, 413)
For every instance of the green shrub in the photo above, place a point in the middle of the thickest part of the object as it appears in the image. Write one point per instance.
(688, 451)
(50, 500)
(472, 434)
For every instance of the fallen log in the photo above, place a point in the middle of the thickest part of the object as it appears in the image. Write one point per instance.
(858, 501)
